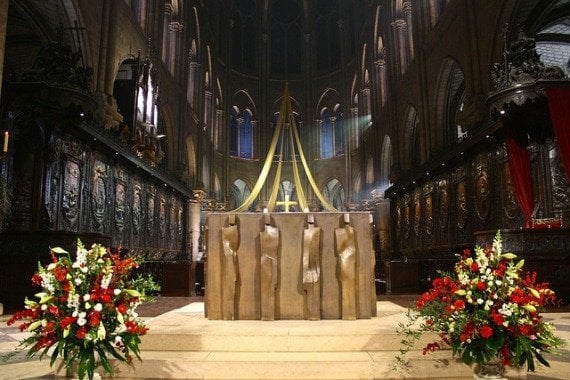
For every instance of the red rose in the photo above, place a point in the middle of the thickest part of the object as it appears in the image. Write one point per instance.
(486, 331)
(481, 286)
(36, 279)
(122, 308)
(474, 266)
(81, 332)
(498, 318)
(94, 318)
(459, 304)
(67, 321)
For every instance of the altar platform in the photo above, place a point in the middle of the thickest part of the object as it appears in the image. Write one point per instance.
(183, 344)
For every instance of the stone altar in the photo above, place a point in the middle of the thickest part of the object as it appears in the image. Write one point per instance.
(290, 288)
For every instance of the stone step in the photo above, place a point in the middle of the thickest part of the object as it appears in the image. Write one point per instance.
(288, 365)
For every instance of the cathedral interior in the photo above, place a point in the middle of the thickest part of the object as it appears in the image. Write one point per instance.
(125, 122)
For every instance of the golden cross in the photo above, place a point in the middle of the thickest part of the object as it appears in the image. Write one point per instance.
(287, 202)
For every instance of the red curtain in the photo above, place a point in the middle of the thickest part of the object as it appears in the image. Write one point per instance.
(559, 107)
(519, 168)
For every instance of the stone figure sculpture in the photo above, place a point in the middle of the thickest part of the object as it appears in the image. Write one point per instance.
(269, 241)
(346, 252)
(230, 243)
(312, 268)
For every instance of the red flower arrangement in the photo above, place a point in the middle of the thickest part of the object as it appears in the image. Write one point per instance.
(486, 311)
(86, 309)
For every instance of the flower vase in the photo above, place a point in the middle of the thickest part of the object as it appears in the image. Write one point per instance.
(492, 370)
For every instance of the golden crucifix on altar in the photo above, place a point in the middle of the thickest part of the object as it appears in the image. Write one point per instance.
(286, 124)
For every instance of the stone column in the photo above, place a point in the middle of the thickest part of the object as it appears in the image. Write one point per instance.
(195, 206)
(399, 26)
(407, 9)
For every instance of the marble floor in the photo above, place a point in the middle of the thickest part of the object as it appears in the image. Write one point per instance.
(182, 344)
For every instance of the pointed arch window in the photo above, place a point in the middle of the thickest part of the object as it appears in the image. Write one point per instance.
(241, 133)
(332, 132)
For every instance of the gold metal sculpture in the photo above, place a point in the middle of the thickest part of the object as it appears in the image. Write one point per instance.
(230, 244)
(346, 252)
(312, 268)
(285, 124)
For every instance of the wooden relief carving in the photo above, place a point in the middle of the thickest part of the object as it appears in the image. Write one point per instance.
(70, 201)
(99, 194)
(510, 204)
(461, 205)
(52, 195)
(428, 212)
(53, 180)
(560, 183)
(150, 212)
(443, 203)
(120, 206)
(162, 216)
(137, 209)
(417, 212)
(406, 216)
(173, 226)
(180, 222)
(482, 190)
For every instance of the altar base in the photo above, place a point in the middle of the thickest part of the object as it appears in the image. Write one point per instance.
(290, 297)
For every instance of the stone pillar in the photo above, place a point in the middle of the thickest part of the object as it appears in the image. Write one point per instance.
(190, 90)
(399, 26)
(195, 206)
(407, 9)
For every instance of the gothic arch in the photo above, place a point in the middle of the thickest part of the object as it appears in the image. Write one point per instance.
(334, 192)
(412, 147)
(239, 192)
(329, 97)
(449, 96)
(243, 99)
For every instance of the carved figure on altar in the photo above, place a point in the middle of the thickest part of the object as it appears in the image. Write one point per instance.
(269, 241)
(346, 253)
(230, 243)
(312, 268)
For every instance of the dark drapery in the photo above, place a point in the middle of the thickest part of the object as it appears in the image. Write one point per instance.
(559, 107)
(519, 167)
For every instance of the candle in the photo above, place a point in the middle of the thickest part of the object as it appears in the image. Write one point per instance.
(6, 138)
